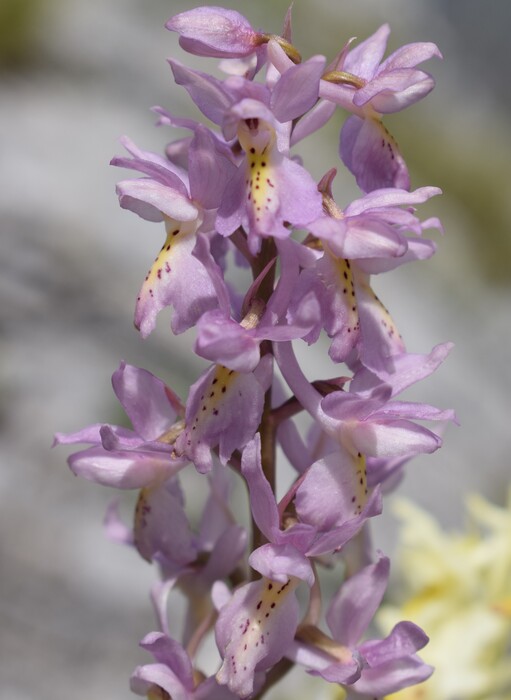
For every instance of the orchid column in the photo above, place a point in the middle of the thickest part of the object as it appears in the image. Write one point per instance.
(234, 197)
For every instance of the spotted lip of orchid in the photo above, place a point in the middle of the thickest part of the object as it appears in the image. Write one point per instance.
(182, 201)
(223, 410)
(314, 531)
(368, 237)
(269, 191)
(369, 88)
(130, 459)
(257, 626)
(253, 631)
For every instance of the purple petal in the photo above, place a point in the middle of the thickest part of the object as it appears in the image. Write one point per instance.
(115, 528)
(408, 370)
(394, 91)
(151, 200)
(414, 411)
(333, 540)
(410, 55)
(226, 554)
(369, 151)
(393, 438)
(315, 118)
(348, 407)
(208, 93)
(345, 672)
(300, 201)
(224, 408)
(169, 652)
(280, 561)
(225, 342)
(331, 283)
(161, 526)
(392, 676)
(262, 500)
(253, 631)
(382, 199)
(417, 250)
(148, 403)
(269, 190)
(356, 602)
(369, 237)
(145, 678)
(90, 434)
(215, 32)
(297, 90)
(330, 493)
(176, 279)
(365, 58)
(319, 663)
(124, 470)
(380, 338)
(404, 640)
(210, 168)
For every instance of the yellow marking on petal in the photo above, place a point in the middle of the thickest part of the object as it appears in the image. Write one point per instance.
(213, 395)
(142, 510)
(346, 286)
(388, 142)
(260, 181)
(359, 498)
(162, 266)
(258, 141)
(389, 328)
(255, 630)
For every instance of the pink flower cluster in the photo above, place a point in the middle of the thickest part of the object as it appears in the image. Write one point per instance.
(233, 197)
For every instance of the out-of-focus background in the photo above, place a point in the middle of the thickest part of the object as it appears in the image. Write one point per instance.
(74, 76)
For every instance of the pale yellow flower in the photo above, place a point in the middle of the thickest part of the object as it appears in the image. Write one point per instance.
(457, 587)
